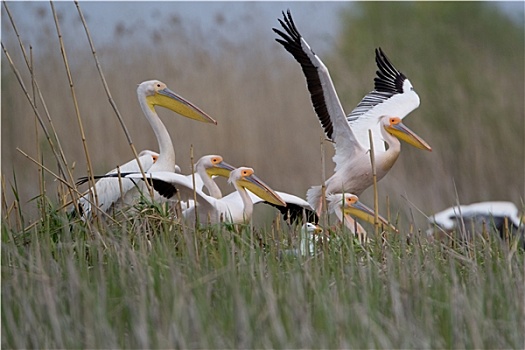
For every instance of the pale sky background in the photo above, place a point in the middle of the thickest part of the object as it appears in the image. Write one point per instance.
(104, 16)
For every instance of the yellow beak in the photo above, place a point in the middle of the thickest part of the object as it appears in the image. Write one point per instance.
(221, 169)
(363, 212)
(260, 189)
(170, 100)
(402, 132)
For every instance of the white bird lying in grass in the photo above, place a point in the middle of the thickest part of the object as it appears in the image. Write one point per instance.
(477, 218)
(310, 237)
(342, 205)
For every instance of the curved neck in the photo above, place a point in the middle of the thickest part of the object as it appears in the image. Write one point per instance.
(247, 202)
(208, 182)
(386, 159)
(166, 160)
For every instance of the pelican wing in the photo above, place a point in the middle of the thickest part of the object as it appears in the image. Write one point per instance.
(172, 185)
(393, 95)
(448, 218)
(110, 189)
(295, 206)
(322, 91)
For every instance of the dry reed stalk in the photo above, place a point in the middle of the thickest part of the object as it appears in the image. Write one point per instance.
(34, 85)
(77, 110)
(374, 178)
(192, 162)
(111, 101)
(37, 113)
(61, 161)
(72, 188)
(41, 181)
(324, 213)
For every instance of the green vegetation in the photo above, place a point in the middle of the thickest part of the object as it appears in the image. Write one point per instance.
(173, 287)
(149, 281)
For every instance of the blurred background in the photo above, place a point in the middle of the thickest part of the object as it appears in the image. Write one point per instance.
(465, 60)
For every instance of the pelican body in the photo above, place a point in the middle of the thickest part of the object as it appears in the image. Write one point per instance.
(209, 209)
(229, 208)
(381, 111)
(477, 218)
(111, 192)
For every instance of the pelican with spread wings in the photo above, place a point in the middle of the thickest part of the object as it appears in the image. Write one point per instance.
(381, 111)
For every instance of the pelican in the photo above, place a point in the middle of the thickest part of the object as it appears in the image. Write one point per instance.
(113, 192)
(381, 111)
(212, 210)
(477, 218)
(296, 209)
(208, 167)
(228, 208)
(343, 205)
(346, 205)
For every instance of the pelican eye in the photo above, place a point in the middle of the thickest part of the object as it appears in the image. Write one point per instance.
(352, 199)
(394, 121)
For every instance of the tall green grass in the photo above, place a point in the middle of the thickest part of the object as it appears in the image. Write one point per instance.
(169, 286)
(148, 280)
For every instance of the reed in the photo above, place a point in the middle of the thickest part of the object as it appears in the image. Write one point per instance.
(144, 279)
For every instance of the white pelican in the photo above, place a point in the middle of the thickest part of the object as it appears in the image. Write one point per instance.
(110, 191)
(229, 208)
(381, 111)
(292, 212)
(478, 218)
(346, 205)
(212, 210)
(208, 167)
(343, 205)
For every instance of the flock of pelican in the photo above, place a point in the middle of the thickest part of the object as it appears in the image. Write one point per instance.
(381, 111)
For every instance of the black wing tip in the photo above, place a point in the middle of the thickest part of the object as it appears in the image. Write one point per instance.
(165, 189)
(388, 77)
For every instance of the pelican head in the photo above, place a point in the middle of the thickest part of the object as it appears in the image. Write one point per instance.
(311, 229)
(395, 127)
(350, 205)
(245, 177)
(158, 94)
(215, 166)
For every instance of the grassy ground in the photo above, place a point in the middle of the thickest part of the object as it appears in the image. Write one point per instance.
(153, 283)
(147, 281)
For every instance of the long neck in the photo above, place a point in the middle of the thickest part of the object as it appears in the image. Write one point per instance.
(385, 160)
(354, 226)
(348, 220)
(212, 187)
(166, 160)
(307, 244)
(247, 202)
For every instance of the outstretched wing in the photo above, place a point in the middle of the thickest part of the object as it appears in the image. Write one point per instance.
(393, 95)
(322, 91)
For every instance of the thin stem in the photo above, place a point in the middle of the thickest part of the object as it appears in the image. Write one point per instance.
(110, 98)
(374, 178)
